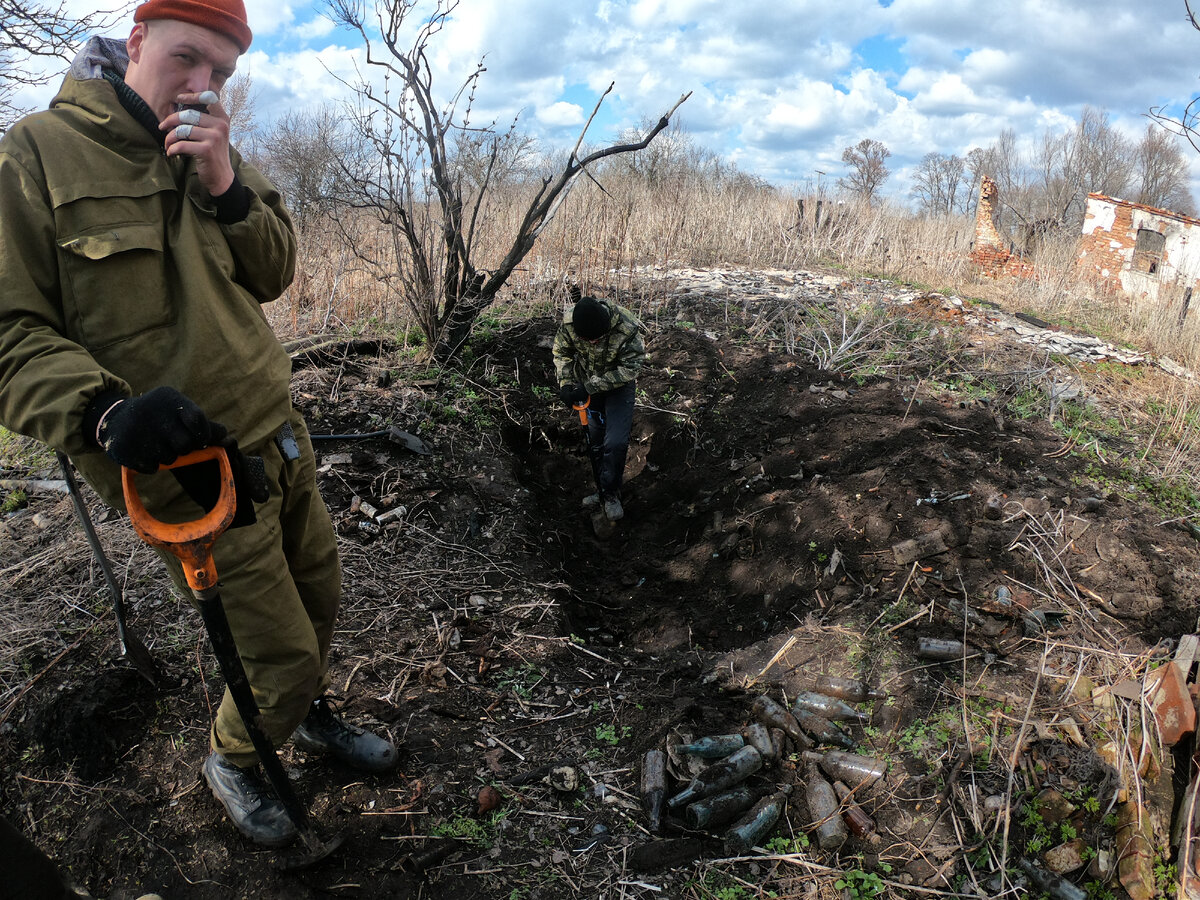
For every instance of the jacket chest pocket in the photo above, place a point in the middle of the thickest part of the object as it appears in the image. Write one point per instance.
(116, 274)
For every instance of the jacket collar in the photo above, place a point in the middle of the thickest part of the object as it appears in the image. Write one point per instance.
(106, 59)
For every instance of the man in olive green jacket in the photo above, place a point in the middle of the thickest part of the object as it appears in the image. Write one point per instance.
(135, 248)
(598, 353)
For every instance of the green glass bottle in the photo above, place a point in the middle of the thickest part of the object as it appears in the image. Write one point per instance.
(756, 824)
(721, 808)
(714, 746)
(718, 777)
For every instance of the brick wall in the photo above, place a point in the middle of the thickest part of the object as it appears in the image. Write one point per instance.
(1105, 252)
(990, 252)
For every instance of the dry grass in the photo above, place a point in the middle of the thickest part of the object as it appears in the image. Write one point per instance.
(625, 233)
(606, 231)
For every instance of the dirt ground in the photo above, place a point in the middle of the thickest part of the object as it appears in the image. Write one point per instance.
(496, 635)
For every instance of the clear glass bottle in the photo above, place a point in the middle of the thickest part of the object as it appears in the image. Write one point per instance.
(778, 744)
(774, 715)
(940, 649)
(851, 768)
(851, 689)
(759, 737)
(823, 807)
(829, 707)
(822, 730)
(654, 787)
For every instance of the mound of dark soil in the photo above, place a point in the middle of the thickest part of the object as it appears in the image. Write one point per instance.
(496, 631)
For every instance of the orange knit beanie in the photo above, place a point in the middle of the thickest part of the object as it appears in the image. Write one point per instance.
(227, 17)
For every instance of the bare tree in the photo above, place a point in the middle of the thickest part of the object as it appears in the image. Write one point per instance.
(940, 184)
(241, 102)
(430, 210)
(30, 30)
(482, 157)
(868, 170)
(1093, 156)
(305, 154)
(1003, 162)
(1160, 172)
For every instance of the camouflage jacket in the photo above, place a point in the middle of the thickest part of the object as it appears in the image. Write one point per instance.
(609, 363)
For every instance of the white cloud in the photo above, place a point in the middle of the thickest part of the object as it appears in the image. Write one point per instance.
(781, 87)
(317, 27)
(558, 115)
(268, 16)
(305, 79)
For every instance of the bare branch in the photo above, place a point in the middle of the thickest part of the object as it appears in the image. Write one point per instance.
(422, 188)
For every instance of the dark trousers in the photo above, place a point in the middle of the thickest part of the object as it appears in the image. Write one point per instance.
(610, 418)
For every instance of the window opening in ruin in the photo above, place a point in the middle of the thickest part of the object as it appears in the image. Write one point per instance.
(1148, 251)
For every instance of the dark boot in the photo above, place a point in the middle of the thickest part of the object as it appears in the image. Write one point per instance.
(251, 806)
(322, 731)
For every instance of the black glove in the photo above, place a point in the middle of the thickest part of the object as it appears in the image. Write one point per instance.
(202, 482)
(155, 429)
(573, 394)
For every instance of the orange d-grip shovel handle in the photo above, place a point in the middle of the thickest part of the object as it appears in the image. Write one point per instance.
(582, 408)
(192, 541)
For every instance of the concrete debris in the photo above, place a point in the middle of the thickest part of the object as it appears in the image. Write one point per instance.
(762, 287)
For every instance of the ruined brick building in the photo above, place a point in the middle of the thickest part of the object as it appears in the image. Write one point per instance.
(1138, 249)
(1125, 247)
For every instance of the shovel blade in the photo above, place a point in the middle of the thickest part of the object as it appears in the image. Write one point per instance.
(136, 653)
(312, 852)
(409, 441)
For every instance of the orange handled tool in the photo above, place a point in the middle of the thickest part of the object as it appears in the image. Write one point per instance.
(582, 410)
(192, 543)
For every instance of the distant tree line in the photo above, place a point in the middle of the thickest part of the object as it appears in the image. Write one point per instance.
(1044, 188)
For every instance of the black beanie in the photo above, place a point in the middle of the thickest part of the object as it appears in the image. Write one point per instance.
(590, 319)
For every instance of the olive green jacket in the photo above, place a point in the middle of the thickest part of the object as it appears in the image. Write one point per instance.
(115, 275)
(612, 361)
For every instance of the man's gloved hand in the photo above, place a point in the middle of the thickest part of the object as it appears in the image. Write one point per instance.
(573, 394)
(202, 482)
(155, 429)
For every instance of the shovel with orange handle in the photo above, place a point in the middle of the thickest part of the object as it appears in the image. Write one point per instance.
(582, 410)
(191, 543)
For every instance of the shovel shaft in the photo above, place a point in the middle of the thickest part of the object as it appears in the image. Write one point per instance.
(132, 647)
(192, 543)
(94, 541)
(234, 673)
(582, 409)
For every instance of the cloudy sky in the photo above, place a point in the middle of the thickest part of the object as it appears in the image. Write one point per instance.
(780, 87)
